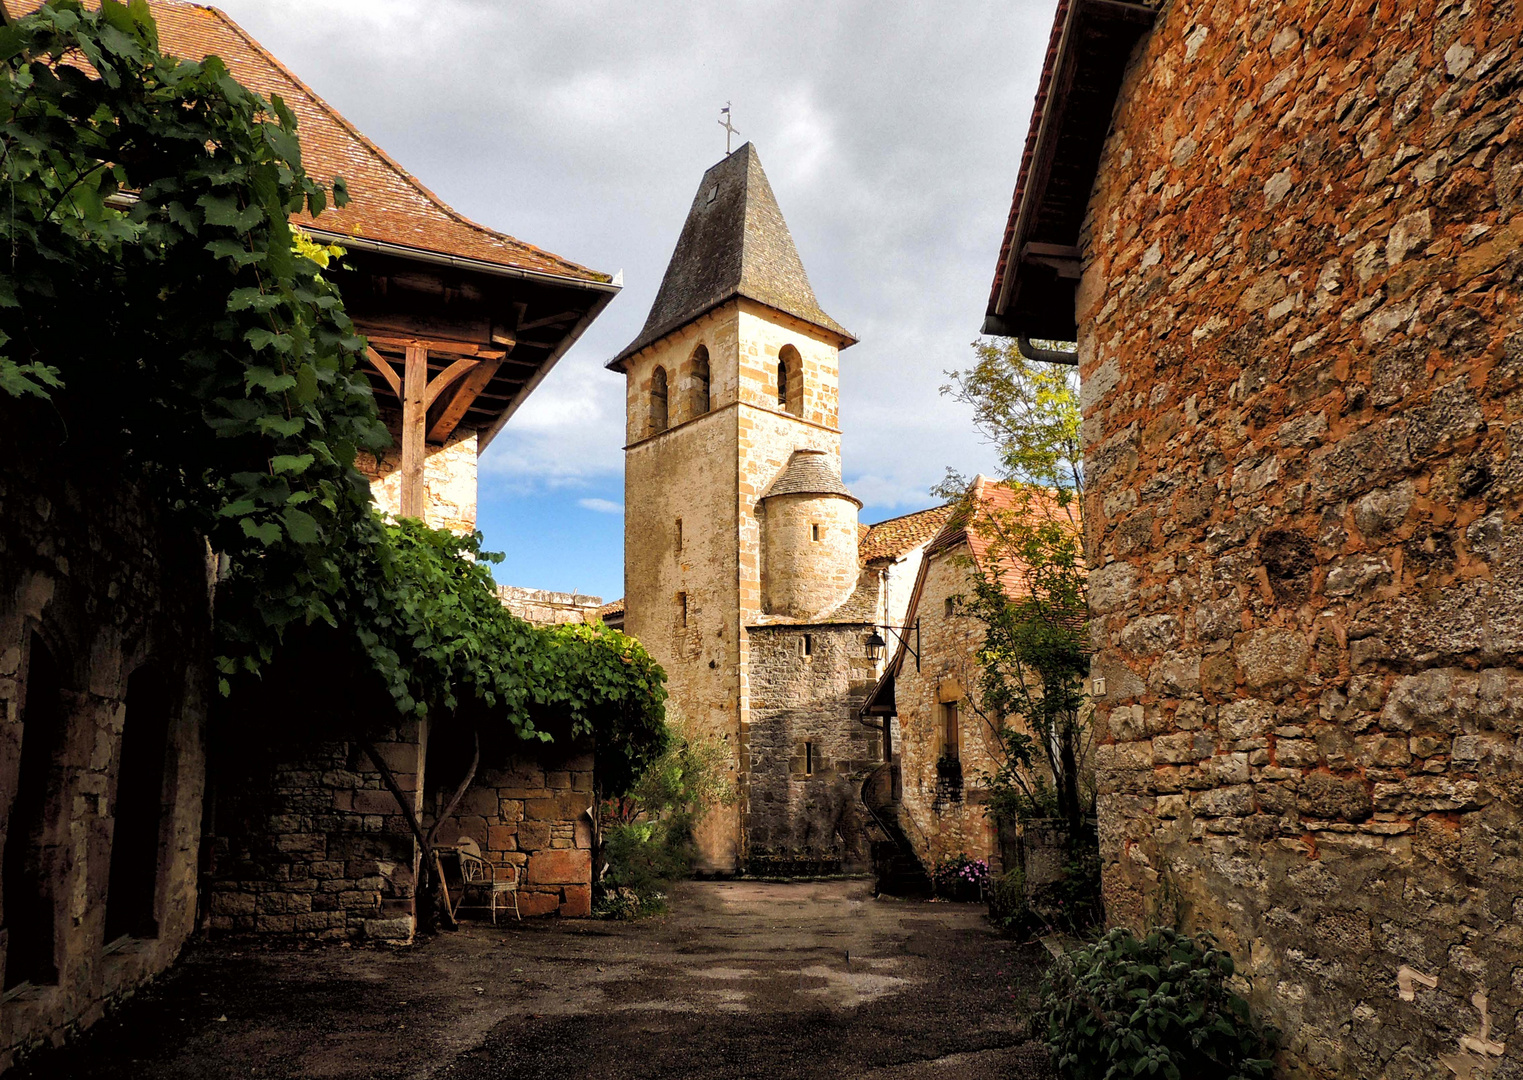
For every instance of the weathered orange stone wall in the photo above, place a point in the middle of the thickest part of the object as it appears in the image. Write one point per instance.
(1302, 352)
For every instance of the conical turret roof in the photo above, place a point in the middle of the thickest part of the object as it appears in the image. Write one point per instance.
(734, 243)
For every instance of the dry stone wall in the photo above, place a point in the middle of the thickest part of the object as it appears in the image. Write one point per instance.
(1302, 357)
(543, 607)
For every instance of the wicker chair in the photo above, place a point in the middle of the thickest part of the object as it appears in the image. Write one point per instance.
(486, 882)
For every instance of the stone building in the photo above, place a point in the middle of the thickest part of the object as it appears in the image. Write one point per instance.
(123, 828)
(743, 562)
(944, 745)
(1288, 240)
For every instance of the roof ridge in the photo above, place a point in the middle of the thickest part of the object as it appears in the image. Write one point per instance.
(365, 141)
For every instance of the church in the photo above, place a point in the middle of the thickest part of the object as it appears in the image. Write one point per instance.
(747, 573)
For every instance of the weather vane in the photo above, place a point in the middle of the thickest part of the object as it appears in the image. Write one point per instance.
(729, 128)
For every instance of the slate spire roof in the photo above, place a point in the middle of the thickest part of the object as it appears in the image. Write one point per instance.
(809, 473)
(734, 243)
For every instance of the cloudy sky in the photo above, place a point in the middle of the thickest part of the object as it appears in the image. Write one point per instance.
(891, 133)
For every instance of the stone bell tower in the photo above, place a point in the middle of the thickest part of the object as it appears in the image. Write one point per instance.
(733, 377)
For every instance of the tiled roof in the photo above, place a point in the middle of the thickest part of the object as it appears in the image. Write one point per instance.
(898, 535)
(809, 473)
(969, 522)
(388, 203)
(614, 608)
(734, 243)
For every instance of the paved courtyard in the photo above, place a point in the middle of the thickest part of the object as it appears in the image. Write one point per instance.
(739, 980)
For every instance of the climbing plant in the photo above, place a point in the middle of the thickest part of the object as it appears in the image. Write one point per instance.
(159, 310)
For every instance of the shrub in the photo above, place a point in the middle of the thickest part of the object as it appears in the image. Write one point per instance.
(1008, 909)
(958, 877)
(1155, 1006)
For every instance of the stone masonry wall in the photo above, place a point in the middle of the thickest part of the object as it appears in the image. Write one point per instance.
(1301, 346)
(532, 814)
(809, 545)
(111, 590)
(545, 608)
(449, 475)
(709, 471)
(309, 841)
(941, 820)
(796, 699)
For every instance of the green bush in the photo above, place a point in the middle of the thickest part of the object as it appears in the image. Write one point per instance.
(1008, 909)
(1155, 1006)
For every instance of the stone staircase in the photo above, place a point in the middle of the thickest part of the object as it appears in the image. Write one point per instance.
(896, 869)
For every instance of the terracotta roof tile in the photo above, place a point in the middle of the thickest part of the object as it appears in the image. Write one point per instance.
(898, 535)
(388, 203)
(615, 607)
(988, 496)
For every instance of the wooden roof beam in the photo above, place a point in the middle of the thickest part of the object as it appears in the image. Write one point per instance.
(445, 417)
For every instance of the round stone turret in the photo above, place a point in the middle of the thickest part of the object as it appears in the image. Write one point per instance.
(809, 538)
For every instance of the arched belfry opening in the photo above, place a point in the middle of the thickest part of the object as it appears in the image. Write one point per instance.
(136, 837)
(698, 382)
(658, 405)
(790, 380)
(25, 882)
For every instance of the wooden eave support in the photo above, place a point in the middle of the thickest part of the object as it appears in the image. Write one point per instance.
(431, 408)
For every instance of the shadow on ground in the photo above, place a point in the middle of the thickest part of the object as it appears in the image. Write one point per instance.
(740, 980)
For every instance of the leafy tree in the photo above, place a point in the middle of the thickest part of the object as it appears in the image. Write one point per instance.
(645, 835)
(158, 310)
(1030, 593)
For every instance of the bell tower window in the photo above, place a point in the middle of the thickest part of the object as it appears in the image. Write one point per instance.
(698, 382)
(790, 380)
(658, 413)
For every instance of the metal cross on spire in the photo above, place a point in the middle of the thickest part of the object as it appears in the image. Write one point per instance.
(729, 128)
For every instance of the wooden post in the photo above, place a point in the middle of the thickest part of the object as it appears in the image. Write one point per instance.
(414, 493)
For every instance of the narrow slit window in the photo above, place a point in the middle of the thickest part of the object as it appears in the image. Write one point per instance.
(679, 534)
(682, 608)
(782, 383)
(814, 533)
(807, 645)
(809, 759)
(951, 607)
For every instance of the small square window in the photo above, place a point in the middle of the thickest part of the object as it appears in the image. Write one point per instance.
(814, 533)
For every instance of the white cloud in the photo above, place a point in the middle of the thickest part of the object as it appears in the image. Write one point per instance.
(892, 145)
(602, 506)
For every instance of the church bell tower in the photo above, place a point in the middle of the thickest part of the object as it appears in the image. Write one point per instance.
(734, 508)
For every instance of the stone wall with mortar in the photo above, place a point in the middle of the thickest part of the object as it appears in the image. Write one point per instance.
(807, 802)
(1302, 358)
(941, 819)
(449, 474)
(709, 471)
(545, 608)
(532, 814)
(111, 589)
(809, 561)
(312, 843)
(309, 841)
